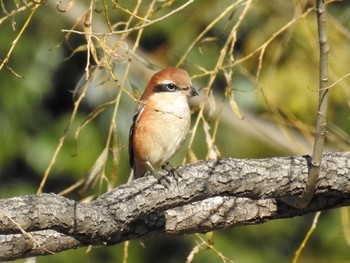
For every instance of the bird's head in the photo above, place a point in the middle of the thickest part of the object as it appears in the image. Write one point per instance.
(170, 82)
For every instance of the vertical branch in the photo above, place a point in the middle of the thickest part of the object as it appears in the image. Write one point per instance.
(321, 124)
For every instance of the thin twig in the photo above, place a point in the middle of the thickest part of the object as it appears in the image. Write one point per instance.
(321, 124)
(25, 233)
(14, 12)
(339, 80)
(14, 42)
(136, 27)
(306, 238)
(230, 41)
(206, 30)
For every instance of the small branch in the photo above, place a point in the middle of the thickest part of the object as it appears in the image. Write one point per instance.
(15, 41)
(211, 195)
(321, 123)
(128, 30)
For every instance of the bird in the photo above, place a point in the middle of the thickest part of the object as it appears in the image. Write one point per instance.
(161, 122)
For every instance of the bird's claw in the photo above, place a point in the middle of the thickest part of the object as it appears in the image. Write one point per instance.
(171, 171)
(162, 179)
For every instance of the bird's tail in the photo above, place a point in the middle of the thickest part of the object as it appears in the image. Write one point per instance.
(131, 176)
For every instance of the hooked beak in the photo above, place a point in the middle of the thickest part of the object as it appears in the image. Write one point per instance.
(191, 91)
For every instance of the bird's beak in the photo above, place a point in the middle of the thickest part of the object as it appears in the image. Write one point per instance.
(191, 91)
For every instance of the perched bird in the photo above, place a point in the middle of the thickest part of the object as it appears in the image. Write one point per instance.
(161, 121)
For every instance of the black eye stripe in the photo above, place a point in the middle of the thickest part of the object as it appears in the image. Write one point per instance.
(170, 87)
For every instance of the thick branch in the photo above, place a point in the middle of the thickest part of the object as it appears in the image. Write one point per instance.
(211, 195)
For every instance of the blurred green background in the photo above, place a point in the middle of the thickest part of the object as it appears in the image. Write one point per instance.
(278, 108)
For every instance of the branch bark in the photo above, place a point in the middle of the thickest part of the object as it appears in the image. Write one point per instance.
(211, 195)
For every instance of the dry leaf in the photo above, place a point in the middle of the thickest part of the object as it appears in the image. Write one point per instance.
(96, 171)
(213, 152)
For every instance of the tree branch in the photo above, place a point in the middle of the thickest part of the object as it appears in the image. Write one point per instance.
(321, 123)
(211, 195)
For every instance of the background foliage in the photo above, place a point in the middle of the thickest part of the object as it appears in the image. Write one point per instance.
(255, 62)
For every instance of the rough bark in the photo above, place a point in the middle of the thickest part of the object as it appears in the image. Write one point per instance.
(210, 195)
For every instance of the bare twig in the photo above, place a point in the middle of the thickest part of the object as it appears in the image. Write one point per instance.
(321, 124)
(15, 41)
(306, 238)
(230, 42)
(144, 25)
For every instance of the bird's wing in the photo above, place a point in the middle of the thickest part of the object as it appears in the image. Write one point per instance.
(135, 119)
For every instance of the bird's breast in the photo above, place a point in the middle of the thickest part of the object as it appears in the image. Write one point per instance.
(160, 132)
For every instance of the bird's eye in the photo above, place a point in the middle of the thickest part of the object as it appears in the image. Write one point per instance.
(171, 87)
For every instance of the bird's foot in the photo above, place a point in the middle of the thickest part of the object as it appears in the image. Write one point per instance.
(162, 179)
(171, 171)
